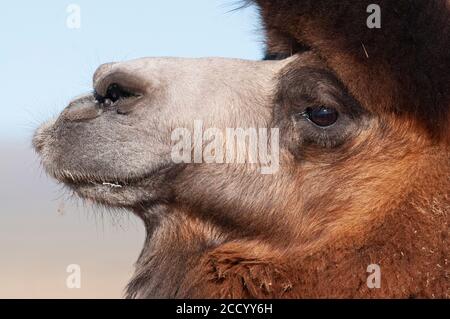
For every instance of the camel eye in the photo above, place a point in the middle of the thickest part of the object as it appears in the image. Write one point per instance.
(322, 116)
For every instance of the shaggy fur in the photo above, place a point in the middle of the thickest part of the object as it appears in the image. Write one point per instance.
(371, 189)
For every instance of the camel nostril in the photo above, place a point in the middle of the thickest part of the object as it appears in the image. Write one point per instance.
(114, 93)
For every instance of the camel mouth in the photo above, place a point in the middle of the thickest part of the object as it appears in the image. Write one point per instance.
(107, 187)
(96, 184)
(130, 192)
(75, 181)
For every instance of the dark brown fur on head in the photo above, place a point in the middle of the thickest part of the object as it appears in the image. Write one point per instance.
(401, 67)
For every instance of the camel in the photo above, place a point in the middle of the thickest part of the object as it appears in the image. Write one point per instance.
(363, 182)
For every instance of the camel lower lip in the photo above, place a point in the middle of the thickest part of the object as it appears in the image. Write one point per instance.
(113, 194)
(74, 180)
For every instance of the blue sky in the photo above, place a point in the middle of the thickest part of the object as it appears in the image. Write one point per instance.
(43, 63)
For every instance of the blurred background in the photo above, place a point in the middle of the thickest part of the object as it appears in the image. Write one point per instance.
(48, 54)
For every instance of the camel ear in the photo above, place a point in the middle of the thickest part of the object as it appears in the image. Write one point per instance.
(393, 56)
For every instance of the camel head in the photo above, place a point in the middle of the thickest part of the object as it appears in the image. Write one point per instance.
(337, 139)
